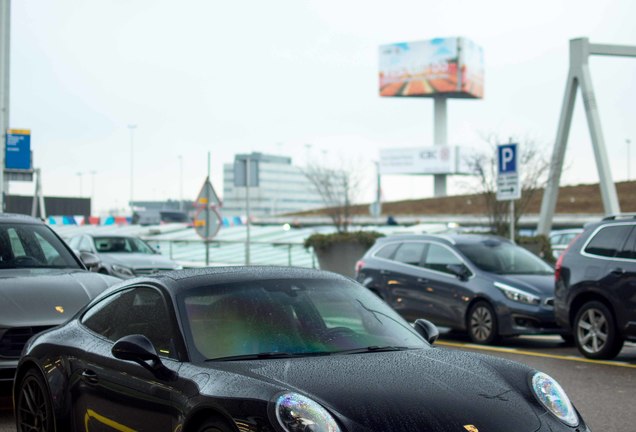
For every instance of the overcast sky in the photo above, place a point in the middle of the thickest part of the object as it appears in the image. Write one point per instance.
(273, 76)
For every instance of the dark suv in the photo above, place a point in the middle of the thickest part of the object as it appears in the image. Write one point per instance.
(485, 285)
(595, 292)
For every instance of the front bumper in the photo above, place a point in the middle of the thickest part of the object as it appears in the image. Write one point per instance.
(522, 319)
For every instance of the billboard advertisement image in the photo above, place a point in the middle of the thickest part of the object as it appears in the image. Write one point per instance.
(450, 66)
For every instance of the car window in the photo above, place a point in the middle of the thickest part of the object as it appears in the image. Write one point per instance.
(139, 310)
(502, 257)
(291, 316)
(387, 251)
(439, 257)
(122, 245)
(74, 243)
(85, 244)
(33, 246)
(609, 240)
(410, 253)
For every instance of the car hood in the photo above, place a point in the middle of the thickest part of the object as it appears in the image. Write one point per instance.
(428, 389)
(542, 285)
(138, 260)
(43, 297)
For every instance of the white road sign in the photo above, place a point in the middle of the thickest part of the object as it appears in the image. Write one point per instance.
(508, 185)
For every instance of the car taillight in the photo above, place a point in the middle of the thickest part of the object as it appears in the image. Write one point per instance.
(559, 263)
(359, 266)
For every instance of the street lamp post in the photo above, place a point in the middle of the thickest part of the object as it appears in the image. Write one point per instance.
(132, 128)
(80, 174)
(628, 142)
(180, 183)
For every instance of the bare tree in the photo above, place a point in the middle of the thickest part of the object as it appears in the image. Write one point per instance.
(338, 189)
(533, 169)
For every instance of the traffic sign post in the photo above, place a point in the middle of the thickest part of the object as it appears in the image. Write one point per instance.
(207, 219)
(508, 185)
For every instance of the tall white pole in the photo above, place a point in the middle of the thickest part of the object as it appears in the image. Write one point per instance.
(181, 183)
(628, 142)
(5, 51)
(247, 209)
(440, 139)
(132, 128)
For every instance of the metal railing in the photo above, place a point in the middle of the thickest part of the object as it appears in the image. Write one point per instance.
(191, 253)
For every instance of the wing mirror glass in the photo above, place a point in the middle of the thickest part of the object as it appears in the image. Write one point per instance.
(139, 349)
(427, 330)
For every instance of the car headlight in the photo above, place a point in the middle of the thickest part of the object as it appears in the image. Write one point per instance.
(125, 271)
(297, 413)
(515, 294)
(553, 397)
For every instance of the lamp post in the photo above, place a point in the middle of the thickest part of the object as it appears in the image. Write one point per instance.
(628, 142)
(132, 128)
(93, 172)
(180, 183)
(80, 174)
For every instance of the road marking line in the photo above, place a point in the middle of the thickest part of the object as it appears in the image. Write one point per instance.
(535, 354)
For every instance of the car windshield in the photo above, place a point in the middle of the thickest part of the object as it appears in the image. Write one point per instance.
(121, 245)
(283, 318)
(501, 257)
(33, 246)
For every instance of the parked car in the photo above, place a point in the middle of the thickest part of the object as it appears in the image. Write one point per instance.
(484, 285)
(268, 349)
(595, 295)
(560, 239)
(122, 256)
(42, 284)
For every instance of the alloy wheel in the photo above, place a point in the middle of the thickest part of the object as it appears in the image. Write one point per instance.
(33, 410)
(481, 323)
(592, 329)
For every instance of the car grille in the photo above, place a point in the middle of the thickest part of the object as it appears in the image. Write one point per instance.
(14, 339)
(149, 271)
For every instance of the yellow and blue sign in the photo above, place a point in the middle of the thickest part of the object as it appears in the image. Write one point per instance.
(18, 149)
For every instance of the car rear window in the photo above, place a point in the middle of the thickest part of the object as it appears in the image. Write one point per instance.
(609, 240)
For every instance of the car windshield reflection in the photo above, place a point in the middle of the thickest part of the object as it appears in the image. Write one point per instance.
(504, 258)
(292, 318)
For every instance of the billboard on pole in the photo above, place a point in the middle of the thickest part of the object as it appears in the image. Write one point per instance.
(424, 160)
(450, 66)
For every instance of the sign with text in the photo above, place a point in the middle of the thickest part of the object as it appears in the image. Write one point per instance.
(508, 186)
(18, 149)
(423, 160)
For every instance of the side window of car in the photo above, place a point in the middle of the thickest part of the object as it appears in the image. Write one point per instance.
(439, 257)
(50, 253)
(16, 243)
(85, 244)
(410, 253)
(387, 251)
(608, 241)
(139, 310)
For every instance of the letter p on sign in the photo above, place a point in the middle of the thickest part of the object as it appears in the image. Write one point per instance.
(507, 158)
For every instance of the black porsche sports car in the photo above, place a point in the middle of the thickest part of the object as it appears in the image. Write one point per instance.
(271, 350)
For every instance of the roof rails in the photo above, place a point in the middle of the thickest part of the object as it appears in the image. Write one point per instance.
(620, 216)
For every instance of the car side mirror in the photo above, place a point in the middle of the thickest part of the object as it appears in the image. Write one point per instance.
(459, 270)
(139, 349)
(90, 260)
(427, 330)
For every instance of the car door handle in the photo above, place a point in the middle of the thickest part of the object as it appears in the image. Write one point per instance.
(90, 377)
(422, 280)
(618, 271)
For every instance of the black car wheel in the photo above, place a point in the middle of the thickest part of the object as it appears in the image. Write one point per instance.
(33, 409)
(213, 425)
(482, 323)
(595, 332)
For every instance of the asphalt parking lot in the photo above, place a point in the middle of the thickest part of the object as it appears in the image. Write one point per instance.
(603, 391)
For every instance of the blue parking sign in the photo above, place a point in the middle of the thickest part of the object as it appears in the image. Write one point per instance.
(18, 149)
(507, 159)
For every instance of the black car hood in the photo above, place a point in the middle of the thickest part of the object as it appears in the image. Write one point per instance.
(535, 284)
(415, 390)
(29, 297)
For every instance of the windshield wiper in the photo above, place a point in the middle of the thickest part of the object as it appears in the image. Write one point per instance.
(270, 355)
(374, 348)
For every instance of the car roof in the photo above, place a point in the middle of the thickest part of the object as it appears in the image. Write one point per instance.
(19, 218)
(180, 280)
(451, 239)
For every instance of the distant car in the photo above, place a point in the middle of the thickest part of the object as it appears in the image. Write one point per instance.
(595, 296)
(560, 239)
(42, 284)
(267, 349)
(122, 256)
(484, 285)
